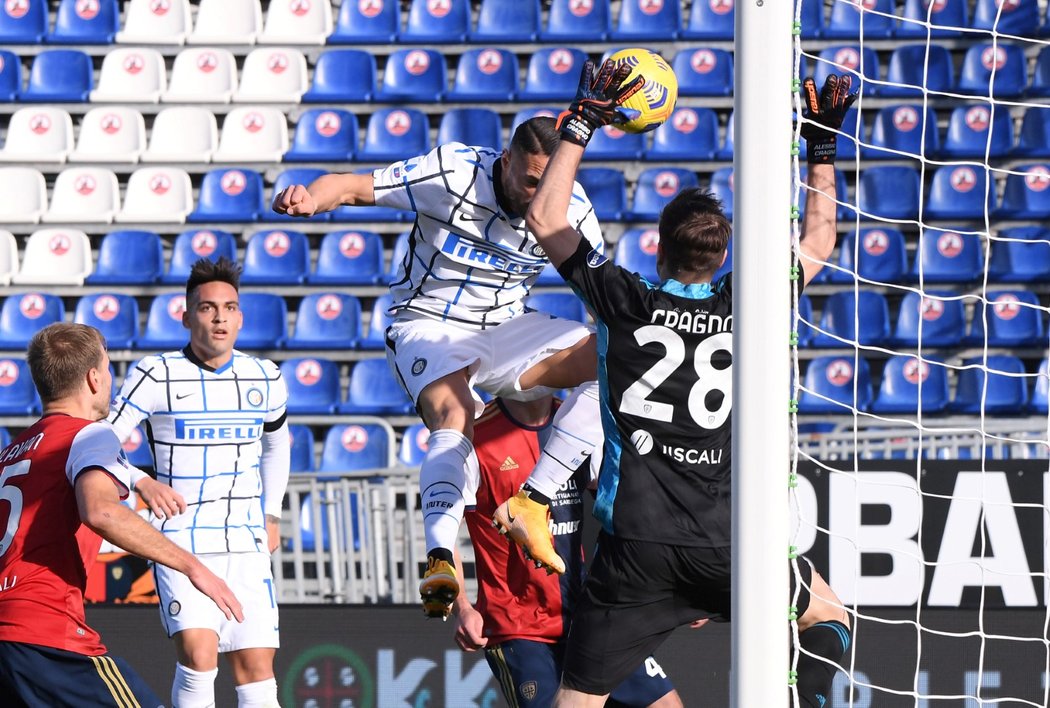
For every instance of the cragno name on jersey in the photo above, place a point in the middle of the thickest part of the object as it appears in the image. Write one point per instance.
(695, 322)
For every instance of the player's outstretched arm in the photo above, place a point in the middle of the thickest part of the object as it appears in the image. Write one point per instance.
(325, 194)
(100, 509)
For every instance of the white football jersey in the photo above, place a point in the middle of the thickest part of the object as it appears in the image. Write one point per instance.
(205, 430)
(469, 262)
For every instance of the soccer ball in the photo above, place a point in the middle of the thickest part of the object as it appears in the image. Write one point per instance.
(656, 100)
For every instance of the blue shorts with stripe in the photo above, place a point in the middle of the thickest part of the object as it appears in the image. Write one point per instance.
(529, 672)
(33, 676)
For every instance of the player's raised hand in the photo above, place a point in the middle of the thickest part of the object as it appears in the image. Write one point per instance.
(598, 101)
(161, 499)
(213, 586)
(823, 114)
(294, 201)
(469, 628)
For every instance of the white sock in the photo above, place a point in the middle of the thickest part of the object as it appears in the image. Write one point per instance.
(576, 431)
(442, 478)
(260, 694)
(193, 689)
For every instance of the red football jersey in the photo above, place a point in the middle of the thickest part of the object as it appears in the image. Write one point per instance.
(46, 552)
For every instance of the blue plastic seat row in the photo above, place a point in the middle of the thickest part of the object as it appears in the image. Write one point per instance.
(878, 18)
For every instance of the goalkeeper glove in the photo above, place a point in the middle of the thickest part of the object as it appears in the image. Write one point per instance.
(823, 115)
(598, 101)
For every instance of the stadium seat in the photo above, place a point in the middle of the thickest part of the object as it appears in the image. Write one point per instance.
(549, 276)
(202, 75)
(577, 21)
(8, 257)
(59, 76)
(398, 257)
(829, 383)
(302, 444)
(945, 256)
(164, 330)
(553, 74)
(1020, 255)
(958, 192)
(1011, 73)
(607, 189)
(131, 75)
(395, 134)
(18, 395)
(845, 311)
(367, 22)
(529, 113)
(413, 445)
(1033, 140)
(10, 75)
(297, 22)
(252, 134)
(611, 143)
(375, 334)
(128, 258)
(229, 195)
(471, 126)
(272, 75)
(564, 305)
(721, 186)
(1014, 319)
(22, 316)
(968, 128)
(413, 75)
(648, 19)
(327, 321)
(507, 21)
(110, 134)
(324, 135)
(356, 447)
(55, 257)
(655, 187)
(900, 132)
(182, 134)
(1040, 83)
(690, 134)
(374, 391)
(83, 195)
(725, 152)
(437, 22)
(1018, 17)
(265, 321)
(313, 386)
(190, 246)
(38, 134)
(911, 68)
(889, 192)
(1006, 392)
(157, 195)
(151, 22)
(342, 76)
(115, 315)
(25, 195)
(846, 19)
(879, 256)
(276, 257)
(485, 75)
(902, 378)
(226, 22)
(805, 321)
(136, 447)
(941, 315)
(1025, 195)
(348, 258)
(946, 18)
(703, 72)
(636, 252)
(23, 22)
(80, 22)
(811, 19)
(711, 20)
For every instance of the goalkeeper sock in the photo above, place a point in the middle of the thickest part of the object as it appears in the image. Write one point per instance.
(258, 694)
(442, 478)
(828, 642)
(193, 689)
(576, 431)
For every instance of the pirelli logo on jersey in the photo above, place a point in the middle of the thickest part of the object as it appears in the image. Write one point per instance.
(495, 258)
(215, 428)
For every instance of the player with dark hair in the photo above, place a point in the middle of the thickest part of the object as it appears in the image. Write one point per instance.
(664, 553)
(62, 480)
(216, 424)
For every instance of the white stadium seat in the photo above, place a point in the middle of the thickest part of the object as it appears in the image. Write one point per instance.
(202, 75)
(38, 134)
(182, 134)
(131, 75)
(297, 22)
(158, 195)
(8, 257)
(252, 134)
(110, 134)
(55, 257)
(226, 22)
(25, 195)
(84, 195)
(273, 75)
(155, 22)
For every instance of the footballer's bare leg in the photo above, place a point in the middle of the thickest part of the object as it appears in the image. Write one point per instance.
(197, 652)
(253, 676)
(569, 698)
(671, 699)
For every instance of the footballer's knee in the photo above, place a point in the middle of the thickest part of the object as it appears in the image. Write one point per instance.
(197, 649)
(824, 605)
(448, 404)
(251, 665)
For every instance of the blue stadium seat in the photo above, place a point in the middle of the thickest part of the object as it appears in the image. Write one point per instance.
(1011, 74)
(348, 258)
(846, 18)
(313, 385)
(711, 20)
(880, 256)
(611, 143)
(1026, 195)
(136, 447)
(941, 315)
(704, 72)
(1040, 84)
(553, 74)
(1033, 140)
(79, 22)
(655, 187)
(297, 175)
(327, 321)
(958, 192)
(725, 152)
(10, 75)
(845, 311)
(128, 258)
(607, 190)
(276, 257)
(397, 257)
(311, 516)
(374, 391)
(727, 265)
(324, 135)
(22, 316)
(442, 22)
(302, 452)
(889, 192)
(343, 76)
(900, 392)
(690, 134)
(23, 22)
(18, 396)
(636, 252)
(528, 113)
(577, 21)
(1041, 393)
(485, 75)
(1006, 394)
(507, 21)
(413, 75)
(721, 185)
(192, 245)
(805, 318)
(1015, 319)
(828, 386)
(564, 305)
(900, 129)
(229, 195)
(947, 18)
(1017, 17)
(648, 19)
(164, 330)
(549, 276)
(59, 76)
(265, 321)
(413, 445)
(945, 256)
(367, 22)
(908, 66)
(811, 20)
(968, 128)
(115, 315)
(375, 335)
(471, 126)
(1020, 255)
(847, 59)
(356, 447)
(395, 134)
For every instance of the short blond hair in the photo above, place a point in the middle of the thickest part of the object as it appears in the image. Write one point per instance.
(60, 356)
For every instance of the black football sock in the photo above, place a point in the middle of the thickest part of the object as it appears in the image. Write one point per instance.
(827, 640)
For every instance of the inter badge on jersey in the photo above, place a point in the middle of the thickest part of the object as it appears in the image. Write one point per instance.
(255, 397)
(419, 366)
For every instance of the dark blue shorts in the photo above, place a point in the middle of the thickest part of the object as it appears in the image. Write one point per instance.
(529, 672)
(33, 676)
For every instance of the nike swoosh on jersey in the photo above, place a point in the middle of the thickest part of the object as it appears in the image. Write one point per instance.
(467, 217)
(180, 396)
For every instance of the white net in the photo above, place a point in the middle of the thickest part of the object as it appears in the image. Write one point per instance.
(921, 366)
